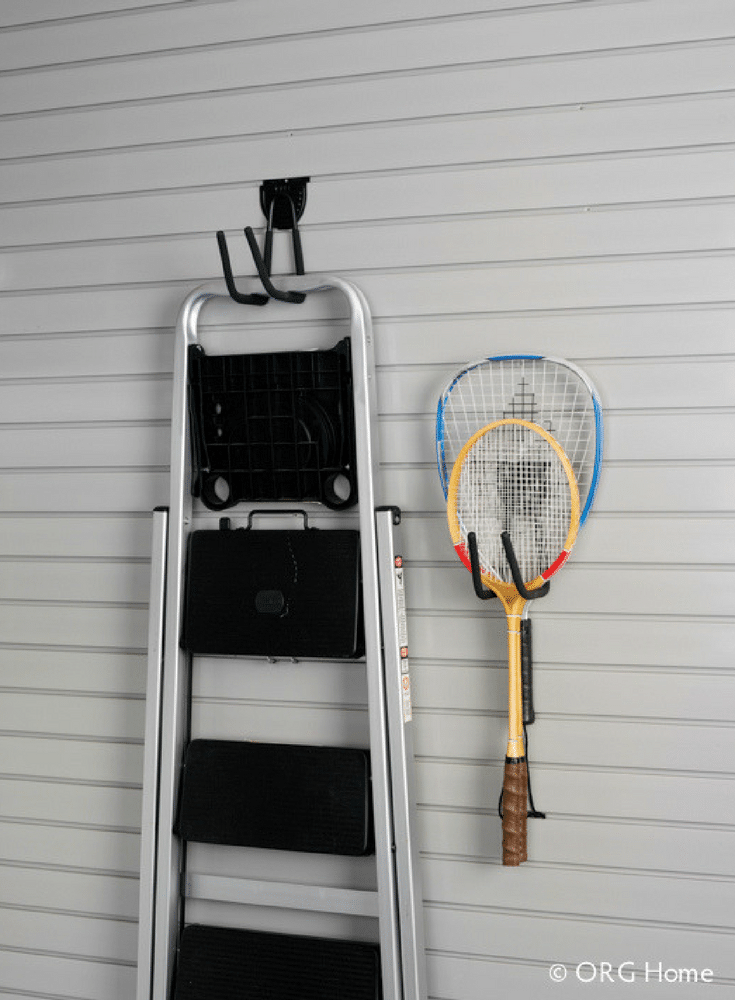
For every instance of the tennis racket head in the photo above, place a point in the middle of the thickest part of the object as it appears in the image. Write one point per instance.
(550, 392)
(513, 476)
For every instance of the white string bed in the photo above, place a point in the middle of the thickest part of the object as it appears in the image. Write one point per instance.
(512, 480)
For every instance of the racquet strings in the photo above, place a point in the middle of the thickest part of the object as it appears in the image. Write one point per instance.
(512, 480)
(543, 391)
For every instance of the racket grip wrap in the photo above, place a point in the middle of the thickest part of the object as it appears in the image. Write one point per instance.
(515, 794)
(529, 715)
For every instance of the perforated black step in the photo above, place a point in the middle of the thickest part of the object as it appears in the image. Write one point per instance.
(277, 796)
(217, 963)
(273, 427)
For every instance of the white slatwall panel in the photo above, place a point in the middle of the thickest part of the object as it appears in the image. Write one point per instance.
(554, 177)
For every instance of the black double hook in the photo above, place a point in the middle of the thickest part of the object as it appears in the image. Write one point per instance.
(263, 268)
(481, 591)
(249, 300)
(283, 202)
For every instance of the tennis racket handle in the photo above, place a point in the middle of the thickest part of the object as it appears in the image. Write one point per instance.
(529, 715)
(515, 796)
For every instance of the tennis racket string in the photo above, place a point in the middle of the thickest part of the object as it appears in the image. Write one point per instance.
(543, 391)
(512, 481)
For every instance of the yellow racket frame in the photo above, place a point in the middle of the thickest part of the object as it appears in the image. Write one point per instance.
(513, 603)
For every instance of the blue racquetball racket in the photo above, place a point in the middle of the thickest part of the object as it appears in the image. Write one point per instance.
(550, 392)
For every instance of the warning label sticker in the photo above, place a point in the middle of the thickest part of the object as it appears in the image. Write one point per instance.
(403, 640)
(401, 608)
(406, 698)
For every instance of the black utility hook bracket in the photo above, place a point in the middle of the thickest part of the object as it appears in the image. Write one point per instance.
(481, 591)
(283, 202)
(275, 196)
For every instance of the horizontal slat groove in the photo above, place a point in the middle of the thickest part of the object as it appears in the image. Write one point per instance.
(81, 957)
(583, 767)
(658, 104)
(590, 216)
(246, 190)
(46, 12)
(500, 712)
(67, 825)
(144, 11)
(413, 45)
(398, 75)
(591, 917)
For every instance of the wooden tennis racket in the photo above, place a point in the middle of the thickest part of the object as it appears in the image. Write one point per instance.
(513, 498)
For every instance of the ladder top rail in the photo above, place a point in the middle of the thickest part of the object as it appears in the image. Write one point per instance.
(199, 296)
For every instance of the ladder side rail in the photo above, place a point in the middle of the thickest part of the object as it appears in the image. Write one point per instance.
(175, 695)
(366, 438)
(400, 732)
(151, 755)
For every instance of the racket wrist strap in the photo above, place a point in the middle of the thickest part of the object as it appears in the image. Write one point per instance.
(533, 812)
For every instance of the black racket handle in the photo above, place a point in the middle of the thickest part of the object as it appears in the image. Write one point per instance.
(529, 714)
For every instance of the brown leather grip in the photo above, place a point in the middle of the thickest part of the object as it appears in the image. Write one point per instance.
(515, 793)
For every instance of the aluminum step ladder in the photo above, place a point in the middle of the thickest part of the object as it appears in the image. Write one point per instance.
(165, 884)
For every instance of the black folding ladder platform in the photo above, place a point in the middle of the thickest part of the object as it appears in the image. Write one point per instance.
(166, 886)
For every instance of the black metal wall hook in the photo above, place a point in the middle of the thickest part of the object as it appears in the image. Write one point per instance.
(283, 203)
(482, 593)
(255, 299)
(276, 198)
(485, 594)
(528, 595)
(273, 292)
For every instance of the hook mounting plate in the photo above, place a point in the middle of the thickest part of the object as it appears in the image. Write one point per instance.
(272, 192)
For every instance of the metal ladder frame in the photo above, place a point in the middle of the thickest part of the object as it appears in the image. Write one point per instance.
(398, 901)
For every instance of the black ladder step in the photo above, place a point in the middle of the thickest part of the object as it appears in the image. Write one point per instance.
(282, 797)
(219, 963)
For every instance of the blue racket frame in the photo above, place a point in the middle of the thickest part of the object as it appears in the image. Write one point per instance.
(445, 473)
